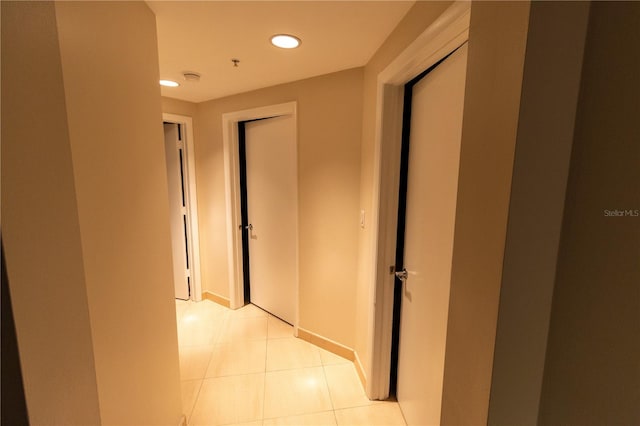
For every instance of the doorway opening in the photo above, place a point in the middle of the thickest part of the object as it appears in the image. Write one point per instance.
(242, 228)
(181, 179)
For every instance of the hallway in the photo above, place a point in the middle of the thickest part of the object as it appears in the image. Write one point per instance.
(245, 367)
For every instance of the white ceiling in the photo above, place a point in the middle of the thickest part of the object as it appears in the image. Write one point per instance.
(204, 36)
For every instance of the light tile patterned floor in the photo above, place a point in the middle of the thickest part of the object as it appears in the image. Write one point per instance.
(244, 367)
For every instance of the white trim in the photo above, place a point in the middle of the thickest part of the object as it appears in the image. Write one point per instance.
(362, 374)
(232, 197)
(448, 32)
(192, 206)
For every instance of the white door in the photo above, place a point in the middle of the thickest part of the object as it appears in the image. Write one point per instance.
(272, 208)
(174, 151)
(434, 155)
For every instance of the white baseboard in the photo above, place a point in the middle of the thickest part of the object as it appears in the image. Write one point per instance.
(220, 300)
(336, 348)
(325, 343)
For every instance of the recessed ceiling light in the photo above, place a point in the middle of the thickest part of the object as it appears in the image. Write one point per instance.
(169, 83)
(285, 41)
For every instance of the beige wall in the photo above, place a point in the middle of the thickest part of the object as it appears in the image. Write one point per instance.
(115, 126)
(551, 82)
(40, 225)
(497, 40)
(417, 19)
(592, 372)
(329, 133)
(176, 106)
(85, 213)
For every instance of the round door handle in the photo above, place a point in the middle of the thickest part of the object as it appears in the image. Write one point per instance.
(402, 275)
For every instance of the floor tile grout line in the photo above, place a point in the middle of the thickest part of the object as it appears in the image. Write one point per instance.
(195, 401)
(258, 372)
(293, 368)
(225, 319)
(189, 305)
(281, 338)
(298, 415)
(213, 349)
(264, 394)
(233, 375)
(326, 381)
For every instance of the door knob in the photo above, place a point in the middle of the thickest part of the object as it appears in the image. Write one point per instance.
(402, 275)
(249, 227)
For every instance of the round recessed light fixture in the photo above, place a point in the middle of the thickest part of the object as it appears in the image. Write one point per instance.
(169, 83)
(285, 41)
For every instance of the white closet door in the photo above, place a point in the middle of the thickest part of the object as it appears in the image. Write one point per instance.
(177, 211)
(434, 156)
(272, 201)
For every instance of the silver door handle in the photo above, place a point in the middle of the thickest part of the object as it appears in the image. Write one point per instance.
(402, 275)
(249, 227)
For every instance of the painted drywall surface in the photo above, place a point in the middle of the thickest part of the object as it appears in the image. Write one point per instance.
(176, 106)
(417, 19)
(210, 183)
(497, 41)
(545, 133)
(592, 371)
(40, 225)
(110, 70)
(329, 133)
